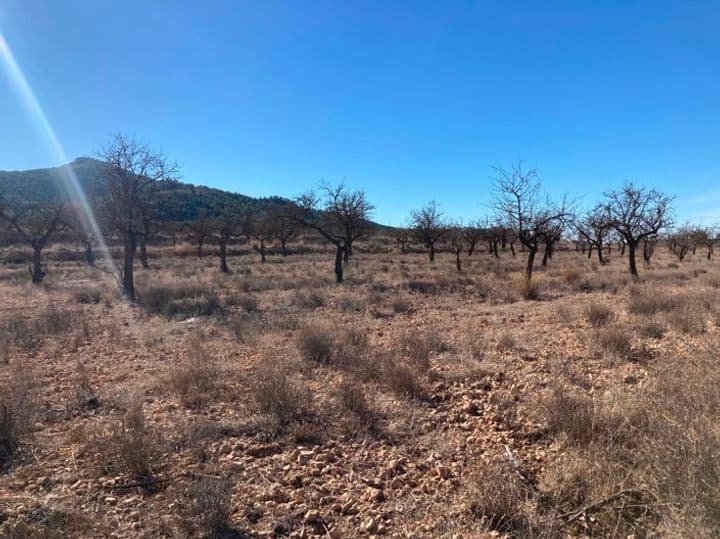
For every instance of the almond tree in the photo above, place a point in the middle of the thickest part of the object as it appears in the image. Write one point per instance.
(518, 204)
(338, 214)
(201, 228)
(131, 170)
(429, 226)
(473, 234)
(283, 226)
(593, 228)
(222, 228)
(457, 243)
(637, 213)
(35, 224)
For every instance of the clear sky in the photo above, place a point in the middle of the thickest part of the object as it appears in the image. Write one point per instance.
(411, 101)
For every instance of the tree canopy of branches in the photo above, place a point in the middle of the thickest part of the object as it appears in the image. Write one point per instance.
(340, 215)
(593, 228)
(637, 213)
(518, 204)
(35, 224)
(132, 169)
(283, 226)
(429, 226)
(201, 228)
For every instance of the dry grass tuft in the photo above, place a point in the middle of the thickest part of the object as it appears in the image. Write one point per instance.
(18, 410)
(197, 378)
(599, 315)
(276, 395)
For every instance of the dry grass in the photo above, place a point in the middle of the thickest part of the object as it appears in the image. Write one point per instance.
(599, 315)
(277, 395)
(18, 412)
(196, 379)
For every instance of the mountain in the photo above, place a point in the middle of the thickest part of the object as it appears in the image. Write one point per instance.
(176, 201)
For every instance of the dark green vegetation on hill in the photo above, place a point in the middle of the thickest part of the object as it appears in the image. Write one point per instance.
(176, 201)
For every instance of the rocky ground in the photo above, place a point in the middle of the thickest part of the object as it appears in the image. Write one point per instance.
(411, 401)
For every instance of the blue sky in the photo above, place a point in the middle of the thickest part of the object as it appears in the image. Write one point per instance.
(411, 101)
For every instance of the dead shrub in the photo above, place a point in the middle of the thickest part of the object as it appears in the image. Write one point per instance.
(312, 299)
(28, 332)
(178, 300)
(651, 302)
(506, 342)
(400, 305)
(653, 329)
(352, 398)
(599, 315)
(136, 445)
(613, 342)
(527, 289)
(197, 377)
(419, 347)
(571, 275)
(689, 317)
(18, 411)
(85, 394)
(89, 295)
(246, 302)
(317, 343)
(211, 501)
(499, 498)
(275, 394)
(403, 380)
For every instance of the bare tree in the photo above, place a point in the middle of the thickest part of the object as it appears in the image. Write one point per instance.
(35, 224)
(429, 226)
(473, 234)
(338, 214)
(262, 230)
(552, 234)
(201, 228)
(457, 242)
(593, 228)
(131, 169)
(648, 248)
(82, 233)
(637, 213)
(518, 204)
(347, 211)
(224, 227)
(680, 241)
(402, 238)
(284, 226)
(704, 237)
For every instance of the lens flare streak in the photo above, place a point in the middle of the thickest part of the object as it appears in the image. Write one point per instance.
(70, 179)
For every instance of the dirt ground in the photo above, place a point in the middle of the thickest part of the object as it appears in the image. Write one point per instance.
(410, 401)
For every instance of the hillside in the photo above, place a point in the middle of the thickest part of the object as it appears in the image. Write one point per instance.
(177, 201)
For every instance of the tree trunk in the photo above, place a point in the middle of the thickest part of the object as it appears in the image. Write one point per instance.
(223, 255)
(403, 248)
(283, 247)
(599, 250)
(622, 249)
(495, 249)
(471, 249)
(512, 248)
(458, 264)
(339, 251)
(546, 254)
(631, 259)
(143, 252)
(89, 254)
(609, 247)
(432, 252)
(589, 255)
(37, 272)
(201, 240)
(530, 263)
(262, 251)
(128, 261)
(709, 252)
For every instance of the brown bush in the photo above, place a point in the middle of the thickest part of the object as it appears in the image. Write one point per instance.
(599, 315)
(613, 342)
(498, 500)
(352, 398)
(275, 394)
(18, 410)
(211, 502)
(403, 380)
(135, 444)
(197, 378)
(317, 343)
